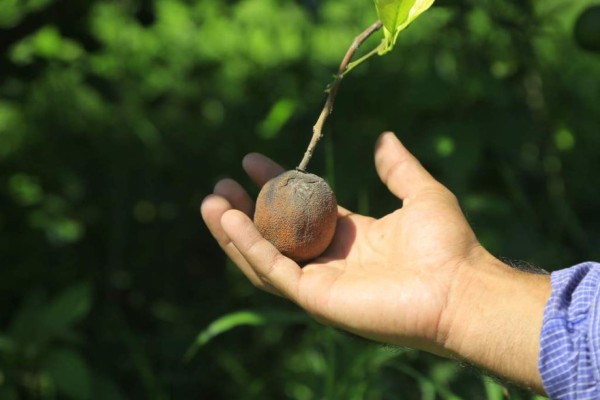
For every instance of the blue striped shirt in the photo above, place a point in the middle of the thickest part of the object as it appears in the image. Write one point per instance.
(570, 340)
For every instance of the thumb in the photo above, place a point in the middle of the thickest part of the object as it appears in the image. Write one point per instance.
(398, 169)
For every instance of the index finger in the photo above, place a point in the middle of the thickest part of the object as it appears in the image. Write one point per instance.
(261, 169)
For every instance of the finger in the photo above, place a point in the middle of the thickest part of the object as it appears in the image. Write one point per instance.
(261, 168)
(236, 195)
(269, 264)
(398, 169)
(212, 209)
(344, 212)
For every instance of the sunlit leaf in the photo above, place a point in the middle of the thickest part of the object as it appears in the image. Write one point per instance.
(25, 189)
(48, 42)
(392, 12)
(65, 230)
(11, 14)
(564, 139)
(444, 146)
(279, 115)
(493, 390)
(428, 387)
(396, 15)
(241, 318)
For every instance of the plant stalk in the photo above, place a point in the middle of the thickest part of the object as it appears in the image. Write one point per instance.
(345, 67)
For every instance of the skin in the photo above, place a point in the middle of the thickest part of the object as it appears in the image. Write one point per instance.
(417, 277)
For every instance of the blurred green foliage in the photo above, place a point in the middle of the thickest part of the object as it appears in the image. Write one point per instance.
(117, 118)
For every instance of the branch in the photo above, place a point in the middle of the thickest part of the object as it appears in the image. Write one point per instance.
(345, 67)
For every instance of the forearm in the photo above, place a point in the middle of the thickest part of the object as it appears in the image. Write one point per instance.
(494, 319)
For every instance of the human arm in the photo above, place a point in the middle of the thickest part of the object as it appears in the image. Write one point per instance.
(417, 277)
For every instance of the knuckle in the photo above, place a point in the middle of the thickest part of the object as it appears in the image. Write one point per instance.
(450, 195)
(257, 283)
(395, 170)
(271, 265)
(252, 246)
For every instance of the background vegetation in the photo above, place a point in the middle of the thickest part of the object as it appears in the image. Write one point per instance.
(117, 118)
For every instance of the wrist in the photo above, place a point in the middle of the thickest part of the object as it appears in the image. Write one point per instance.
(494, 316)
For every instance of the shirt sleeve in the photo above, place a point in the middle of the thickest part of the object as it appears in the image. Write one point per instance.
(570, 340)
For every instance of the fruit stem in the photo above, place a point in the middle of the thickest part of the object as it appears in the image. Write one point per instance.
(332, 89)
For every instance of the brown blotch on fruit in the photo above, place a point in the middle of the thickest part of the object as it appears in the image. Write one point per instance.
(297, 212)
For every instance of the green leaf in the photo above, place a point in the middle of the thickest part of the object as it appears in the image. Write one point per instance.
(241, 318)
(69, 373)
(39, 321)
(68, 307)
(7, 344)
(393, 12)
(48, 42)
(564, 139)
(26, 326)
(25, 189)
(279, 115)
(428, 387)
(444, 146)
(12, 13)
(493, 390)
(396, 15)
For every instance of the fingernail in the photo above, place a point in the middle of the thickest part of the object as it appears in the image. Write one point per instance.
(248, 158)
(385, 136)
(391, 135)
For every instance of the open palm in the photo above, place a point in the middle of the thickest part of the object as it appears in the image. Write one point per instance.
(386, 279)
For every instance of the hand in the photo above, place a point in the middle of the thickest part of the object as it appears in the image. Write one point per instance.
(409, 278)
(387, 279)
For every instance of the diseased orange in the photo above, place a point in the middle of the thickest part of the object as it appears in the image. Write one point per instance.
(297, 212)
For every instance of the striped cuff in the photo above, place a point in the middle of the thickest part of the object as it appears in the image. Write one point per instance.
(570, 340)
